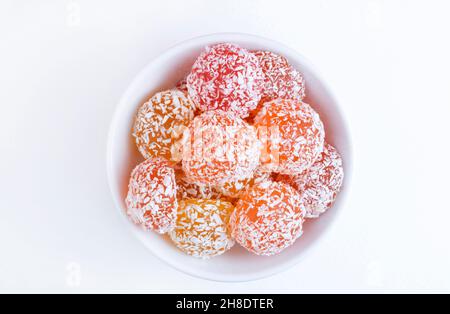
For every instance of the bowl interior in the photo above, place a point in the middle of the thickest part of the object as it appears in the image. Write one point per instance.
(122, 155)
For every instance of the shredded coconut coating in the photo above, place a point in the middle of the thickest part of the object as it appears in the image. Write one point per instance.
(294, 136)
(227, 77)
(151, 201)
(268, 218)
(281, 80)
(320, 184)
(234, 189)
(188, 189)
(202, 227)
(219, 147)
(159, 123)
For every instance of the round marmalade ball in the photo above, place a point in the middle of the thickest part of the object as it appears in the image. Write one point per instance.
(188, 189)
(219, 147)
(268, 218)
(281, 80)
(292, 136)
(152, 201)
(202, 227)
(234, 189)
(320, 184)
(160, 121)
(227, 77)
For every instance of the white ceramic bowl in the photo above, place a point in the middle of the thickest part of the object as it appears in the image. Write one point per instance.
(122, 157)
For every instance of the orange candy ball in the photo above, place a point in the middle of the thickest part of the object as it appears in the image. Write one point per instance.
(292, 135)
(219, 147)
(202, 227)
(159, 123)
(151, 201)
(268, 218)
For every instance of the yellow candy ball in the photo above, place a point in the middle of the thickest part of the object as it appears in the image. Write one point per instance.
(202, 227)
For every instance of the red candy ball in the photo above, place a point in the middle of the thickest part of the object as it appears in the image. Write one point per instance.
(152, 201)
(268, 218)
(227, 77)
(292, 135)
(320, 184)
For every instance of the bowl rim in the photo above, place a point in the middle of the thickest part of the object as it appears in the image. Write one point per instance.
(230, 37)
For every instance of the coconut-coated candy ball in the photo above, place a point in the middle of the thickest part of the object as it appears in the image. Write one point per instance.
(268, 218)
(227, 77)
(151, 201)
(281, 80)
(160, 121)
(219, 147)
(320, 184)
(292, 136)
(202, 227)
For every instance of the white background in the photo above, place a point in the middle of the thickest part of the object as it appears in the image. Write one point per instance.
(65, 64)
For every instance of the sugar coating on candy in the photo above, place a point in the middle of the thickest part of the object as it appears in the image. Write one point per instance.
(159, 123)
(151, 201)
(234, 189)
(281, 80)
(219, 147)
(268, 218)
(202, 228)
(320, 184)
(292, 135)
(188, 189)
(227, 77)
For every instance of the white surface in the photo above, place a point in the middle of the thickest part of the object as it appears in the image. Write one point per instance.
(122, 156)
(61, 77)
